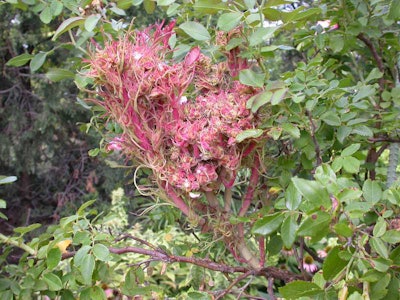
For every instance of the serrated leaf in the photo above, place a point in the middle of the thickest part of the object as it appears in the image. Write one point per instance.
(228, 21)
(333, 264)
(249, 134)
(363, 130)
(261, 34)
(298, 289)
(101, 252)
(53, 281)
(91, 22)
(37, 61)
(68, 24)
(59, 74)
(350, 150)
(268, 224)
(19, 60)
(53, 258)
(372, 191)
(195, 30)
(289, 231)
(251, 78)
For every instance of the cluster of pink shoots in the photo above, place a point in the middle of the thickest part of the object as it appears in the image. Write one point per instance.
(180, 119)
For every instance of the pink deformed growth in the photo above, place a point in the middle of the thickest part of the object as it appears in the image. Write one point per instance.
(180, 119)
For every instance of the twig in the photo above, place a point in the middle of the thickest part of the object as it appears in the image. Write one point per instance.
(19, 244)
(261, 247)
(270, 288)
(233, 283)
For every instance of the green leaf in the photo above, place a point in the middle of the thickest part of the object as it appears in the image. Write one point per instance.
(380, 227)
(298, 289)
(314, 224)
(82, 208)
(255, 102)
(278, 96)
(56, 7)
(313, 192)
(80, 254)
(343, 229)
(394, 10)
(379, 247)
(261, 34)
(46, 15)
(7, 179)
(93, 293)
(195, 30)
(149, 6)
(68, 24)
(351, 164)
(333, 264)
(364, 92)
(249, 134)
(350, 150)
(391, 236)
(59, 74)
(268, 224)
(23, 230)
(251, 78)
(53, 258)
(381, 264)
(331, 118)
(289, 230)
(209, 6)
(101, 252)
(91, 22)
(165, 2)
(228, 21)
(37, 61)
(372, 191)
(374, 74)
(19, 60)
(3, 204)
(53, 281)
(87, 267)
(294, 131)
(293, 197)
(363, 130)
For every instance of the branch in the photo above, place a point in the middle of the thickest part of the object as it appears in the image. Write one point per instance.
(248, 197)
(22, 245)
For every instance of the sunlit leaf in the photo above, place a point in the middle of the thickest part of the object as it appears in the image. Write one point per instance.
(59, 74)
(53, 281)
(251, 78)
(298, 289)
(228, 21)
(19, 60)
(248, 134)
(195, 30)
(91, 22)
(37, 61)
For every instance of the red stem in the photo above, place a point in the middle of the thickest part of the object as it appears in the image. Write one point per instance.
(248, 197)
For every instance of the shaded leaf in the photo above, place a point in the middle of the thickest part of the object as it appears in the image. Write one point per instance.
(298, 289)
(255, 102)
(53, 281)
(372, 191)
(228, 21)
(333, 264)
(261, 34)
(91, 22)
(67, 25)
(314, 224)
(251, 78)
(53, 258)
(268, 224)
(59, 74)
(248, 134)
(37, 61)
(26, 229)
(101, 252)
(289, 230)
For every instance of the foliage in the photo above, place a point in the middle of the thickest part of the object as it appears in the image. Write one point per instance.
(307, 211)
